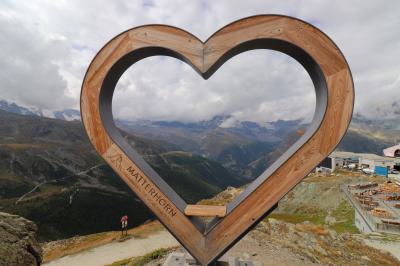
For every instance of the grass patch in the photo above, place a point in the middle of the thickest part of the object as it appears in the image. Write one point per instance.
(142, 260)
(21, 146)
(4, 176)
(13, 185)
(315, 229)
(295, 218)
(344, 215)
(146, 230)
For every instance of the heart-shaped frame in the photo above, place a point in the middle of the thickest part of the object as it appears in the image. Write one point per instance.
(317, 53)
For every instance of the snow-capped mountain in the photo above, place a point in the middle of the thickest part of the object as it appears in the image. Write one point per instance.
(66, 114)
(14, 108)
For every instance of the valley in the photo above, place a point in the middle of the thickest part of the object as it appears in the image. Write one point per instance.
(246, 149)
(50, 174)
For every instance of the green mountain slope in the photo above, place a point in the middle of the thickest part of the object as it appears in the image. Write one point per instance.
(193, 176)
(52, 158)
(236, 148)
(364, 142)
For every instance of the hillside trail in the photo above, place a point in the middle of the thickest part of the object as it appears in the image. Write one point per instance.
(74, 174)
(116, 251)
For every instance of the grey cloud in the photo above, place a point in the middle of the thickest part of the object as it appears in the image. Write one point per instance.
(28, 72)
(258, 85)
(255, 86)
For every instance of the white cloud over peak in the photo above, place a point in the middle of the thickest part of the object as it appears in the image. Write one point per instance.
(47, 46)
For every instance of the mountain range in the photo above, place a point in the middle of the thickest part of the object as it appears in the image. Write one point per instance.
(65, 114)
(50, 174)
(238, 148)
(244, 147)
(381, 130)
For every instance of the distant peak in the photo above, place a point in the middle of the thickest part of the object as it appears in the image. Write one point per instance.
(66, 114)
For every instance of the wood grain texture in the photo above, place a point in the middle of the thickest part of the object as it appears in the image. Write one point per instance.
(202, 56)
(205, 210)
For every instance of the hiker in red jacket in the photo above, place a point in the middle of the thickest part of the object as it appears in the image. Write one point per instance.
(124, 225)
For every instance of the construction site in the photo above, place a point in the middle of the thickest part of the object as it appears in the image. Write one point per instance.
(377, 206)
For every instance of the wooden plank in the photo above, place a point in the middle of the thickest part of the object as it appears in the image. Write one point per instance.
(205, 210)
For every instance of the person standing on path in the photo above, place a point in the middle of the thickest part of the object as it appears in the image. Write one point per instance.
(124, 225)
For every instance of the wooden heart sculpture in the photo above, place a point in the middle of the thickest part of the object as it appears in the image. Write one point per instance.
(309, 46)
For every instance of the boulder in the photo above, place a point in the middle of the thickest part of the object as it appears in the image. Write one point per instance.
(18, 241)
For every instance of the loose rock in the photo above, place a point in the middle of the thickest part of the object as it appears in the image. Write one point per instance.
(18, 241)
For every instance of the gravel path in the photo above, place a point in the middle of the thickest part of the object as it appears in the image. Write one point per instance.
(392, 247)
(115, 251)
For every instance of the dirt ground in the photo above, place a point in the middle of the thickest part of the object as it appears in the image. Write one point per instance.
(60, 248)
(248, 248)
(114, 251)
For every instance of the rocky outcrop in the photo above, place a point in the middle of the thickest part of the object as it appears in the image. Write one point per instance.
(18, 241)
(320, 244)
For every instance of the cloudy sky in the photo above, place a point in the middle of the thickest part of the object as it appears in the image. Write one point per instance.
(46, 47)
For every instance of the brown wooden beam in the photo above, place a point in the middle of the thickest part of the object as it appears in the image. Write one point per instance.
(205, 210)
